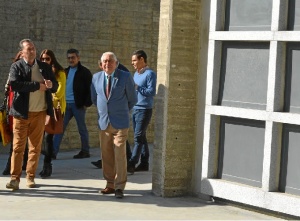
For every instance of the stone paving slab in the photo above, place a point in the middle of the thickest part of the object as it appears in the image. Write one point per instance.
(72, 194)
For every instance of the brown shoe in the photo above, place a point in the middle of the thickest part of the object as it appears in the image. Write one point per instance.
(30, 182)
(13, 184)
(108, 190)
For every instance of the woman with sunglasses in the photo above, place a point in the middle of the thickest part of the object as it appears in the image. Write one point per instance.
(58, 97)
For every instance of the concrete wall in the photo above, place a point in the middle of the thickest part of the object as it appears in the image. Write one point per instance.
(93, 27)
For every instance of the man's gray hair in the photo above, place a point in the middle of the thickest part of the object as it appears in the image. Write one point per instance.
(111, 54)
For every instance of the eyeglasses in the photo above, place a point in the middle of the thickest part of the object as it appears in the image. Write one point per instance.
(46, 59)
(71, 57)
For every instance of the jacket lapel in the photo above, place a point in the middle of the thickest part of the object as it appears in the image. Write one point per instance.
(115, 79)
(114, 82)
(102, 80)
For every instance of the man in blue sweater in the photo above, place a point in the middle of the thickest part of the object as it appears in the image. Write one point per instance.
(145, 86)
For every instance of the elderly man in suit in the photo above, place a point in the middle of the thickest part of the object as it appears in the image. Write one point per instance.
(113, 92)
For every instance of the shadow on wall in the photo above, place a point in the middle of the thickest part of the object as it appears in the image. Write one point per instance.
(159, 117)
(158, 143)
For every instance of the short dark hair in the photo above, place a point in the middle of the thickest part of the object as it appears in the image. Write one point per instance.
(73, 51)
(140, 54)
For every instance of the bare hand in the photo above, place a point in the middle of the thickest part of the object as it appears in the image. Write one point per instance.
(43, 87)
(48, 83)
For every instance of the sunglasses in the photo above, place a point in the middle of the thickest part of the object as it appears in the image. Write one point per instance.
(71, 57)
(46, 59)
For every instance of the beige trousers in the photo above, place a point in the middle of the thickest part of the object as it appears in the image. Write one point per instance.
(114, 161)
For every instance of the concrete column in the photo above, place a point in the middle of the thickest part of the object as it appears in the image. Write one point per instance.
(161, 104)
(180, 101)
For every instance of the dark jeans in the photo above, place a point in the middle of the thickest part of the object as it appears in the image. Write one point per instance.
(48, 148)
(141, 119)
(128, 151)
(79, 114)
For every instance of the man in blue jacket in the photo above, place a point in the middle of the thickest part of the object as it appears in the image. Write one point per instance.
(98, 163)
(113, 92)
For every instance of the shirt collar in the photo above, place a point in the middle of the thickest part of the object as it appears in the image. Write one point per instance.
(112, 75)
(74, 68)
(34, 63)
(143, 69)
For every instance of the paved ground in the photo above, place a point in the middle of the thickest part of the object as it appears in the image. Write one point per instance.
(72, 193)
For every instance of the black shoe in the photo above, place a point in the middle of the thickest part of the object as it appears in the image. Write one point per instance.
(130, 168)
(97, 164)
(142, 167)
(119, 193)
(81, 155)
(6, 171)
(43, 152)
(47, 171)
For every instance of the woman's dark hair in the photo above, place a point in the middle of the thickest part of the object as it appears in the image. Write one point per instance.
(54, 63)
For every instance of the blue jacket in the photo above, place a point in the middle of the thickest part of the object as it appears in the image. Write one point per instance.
(115, 109)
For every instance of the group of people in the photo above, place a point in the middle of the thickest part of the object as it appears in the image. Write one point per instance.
(38, 85)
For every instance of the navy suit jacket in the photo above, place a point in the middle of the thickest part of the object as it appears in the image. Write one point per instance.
(122, 98)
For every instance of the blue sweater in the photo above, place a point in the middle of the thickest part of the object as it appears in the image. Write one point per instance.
(146, 89)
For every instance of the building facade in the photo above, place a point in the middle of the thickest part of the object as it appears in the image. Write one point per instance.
(237, 139)
(226, 121)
